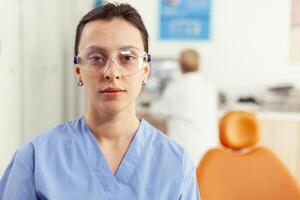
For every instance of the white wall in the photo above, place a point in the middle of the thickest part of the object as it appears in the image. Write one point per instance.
(37, 85)
(248, 49)
(11, 124)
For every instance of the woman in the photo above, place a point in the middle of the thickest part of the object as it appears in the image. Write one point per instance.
(109, 153)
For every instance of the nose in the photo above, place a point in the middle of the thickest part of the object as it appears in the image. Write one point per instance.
(111, 72)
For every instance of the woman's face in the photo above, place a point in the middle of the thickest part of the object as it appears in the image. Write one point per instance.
(110, 91)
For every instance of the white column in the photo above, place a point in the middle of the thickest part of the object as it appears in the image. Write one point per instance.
(11, 94)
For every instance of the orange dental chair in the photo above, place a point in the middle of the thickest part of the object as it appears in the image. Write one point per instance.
(242, 170)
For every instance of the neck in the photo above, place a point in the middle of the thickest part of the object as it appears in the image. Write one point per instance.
(114, 128)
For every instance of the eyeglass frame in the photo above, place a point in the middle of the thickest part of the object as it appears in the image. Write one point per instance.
(146, 57)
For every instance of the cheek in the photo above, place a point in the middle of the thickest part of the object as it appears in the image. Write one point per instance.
(89, 80)
(135, 84)
(89, 84)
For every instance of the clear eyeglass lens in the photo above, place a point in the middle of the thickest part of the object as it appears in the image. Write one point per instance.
(128, 61)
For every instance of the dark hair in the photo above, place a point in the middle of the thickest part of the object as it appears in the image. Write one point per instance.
(109, 11)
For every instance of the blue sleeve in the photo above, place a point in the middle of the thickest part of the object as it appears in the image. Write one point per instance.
(17, 181)
(190, 189)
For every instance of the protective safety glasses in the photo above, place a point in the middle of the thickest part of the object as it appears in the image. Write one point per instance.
(96, 60)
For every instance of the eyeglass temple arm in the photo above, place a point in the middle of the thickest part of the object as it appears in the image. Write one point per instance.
(76, 60)
(147, 57)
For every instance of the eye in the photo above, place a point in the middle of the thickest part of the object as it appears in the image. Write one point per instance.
(96, 59)
(128, 57)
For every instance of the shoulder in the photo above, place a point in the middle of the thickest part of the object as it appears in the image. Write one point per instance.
(166, 161)
(48, 141)
(58, 134)
(168, 151)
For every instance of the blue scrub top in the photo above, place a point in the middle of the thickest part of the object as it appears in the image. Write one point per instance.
(66, 162)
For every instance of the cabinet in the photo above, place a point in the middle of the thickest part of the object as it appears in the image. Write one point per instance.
(280, 132)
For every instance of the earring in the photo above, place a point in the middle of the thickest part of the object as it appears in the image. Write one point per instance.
(79, 82)
(144, 82)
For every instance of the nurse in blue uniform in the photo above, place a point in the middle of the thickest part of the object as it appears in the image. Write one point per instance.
(107, 154)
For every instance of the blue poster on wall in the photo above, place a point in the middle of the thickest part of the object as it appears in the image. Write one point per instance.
(98, 3)
(185, 19)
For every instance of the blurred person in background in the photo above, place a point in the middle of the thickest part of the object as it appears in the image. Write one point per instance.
(109, 153)
(189, 107)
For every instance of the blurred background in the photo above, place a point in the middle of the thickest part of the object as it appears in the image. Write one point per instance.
(249, 51)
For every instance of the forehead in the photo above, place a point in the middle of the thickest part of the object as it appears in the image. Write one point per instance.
(110, 34)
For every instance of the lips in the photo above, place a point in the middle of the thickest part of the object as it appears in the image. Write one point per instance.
(112, 91)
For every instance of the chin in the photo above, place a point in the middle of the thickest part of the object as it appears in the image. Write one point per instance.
(115, 108)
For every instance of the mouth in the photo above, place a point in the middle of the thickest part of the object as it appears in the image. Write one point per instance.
(112, 91)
